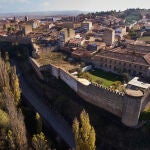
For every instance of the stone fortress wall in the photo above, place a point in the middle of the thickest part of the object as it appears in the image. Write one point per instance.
(126, 107)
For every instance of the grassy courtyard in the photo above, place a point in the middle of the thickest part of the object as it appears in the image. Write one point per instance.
(107, 79)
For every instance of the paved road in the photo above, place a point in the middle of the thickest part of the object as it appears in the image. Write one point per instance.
(57, 123)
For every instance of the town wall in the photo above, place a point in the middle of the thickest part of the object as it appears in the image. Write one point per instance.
(36, 67)
(55, 71)
(131, 110)
(68, 79)
(118, 103)
(101, 97)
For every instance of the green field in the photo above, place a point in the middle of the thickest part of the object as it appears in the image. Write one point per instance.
(107, 79)
(145, 38)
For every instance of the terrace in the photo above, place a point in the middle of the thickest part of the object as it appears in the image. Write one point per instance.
(56, 58)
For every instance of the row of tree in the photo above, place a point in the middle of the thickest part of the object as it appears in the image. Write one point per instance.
(16, 136)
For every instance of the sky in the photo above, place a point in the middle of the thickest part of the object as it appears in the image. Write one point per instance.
(56, 5)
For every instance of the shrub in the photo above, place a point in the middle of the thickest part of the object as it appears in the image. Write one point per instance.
(117, 83)
(99, 81)
(126, 77)
(145, 115)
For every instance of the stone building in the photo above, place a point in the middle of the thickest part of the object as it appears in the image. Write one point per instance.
(65, 35)
(121, 60)
(1, 27)
(71, 25)
(27, 29)
(87, 25)
(120, 31)
(109, 36)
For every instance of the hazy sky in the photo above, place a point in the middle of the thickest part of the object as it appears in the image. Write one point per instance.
(86, 5)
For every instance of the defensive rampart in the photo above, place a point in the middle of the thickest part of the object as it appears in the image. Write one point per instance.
(126, 107)
(101, 97)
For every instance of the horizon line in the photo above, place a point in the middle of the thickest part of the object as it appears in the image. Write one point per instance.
(87, 11)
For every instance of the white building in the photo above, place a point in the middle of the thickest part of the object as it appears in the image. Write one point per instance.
(36, 24)
(51, 25)
(87, 25)
(121, 31)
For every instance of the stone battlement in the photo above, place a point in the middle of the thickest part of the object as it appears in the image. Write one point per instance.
(109, 89)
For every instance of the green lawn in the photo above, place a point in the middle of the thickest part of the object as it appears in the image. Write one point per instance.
(145, 38)
(107, 78)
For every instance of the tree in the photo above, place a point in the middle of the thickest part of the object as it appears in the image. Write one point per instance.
(99, 81)
(14, 84)
(16, 121)
(132, 33)
(84, 133)
(11, 79)
(126, 77)
(10, 139)
(4, 77)
(4, 119)
(15, 115)
(39, 142)
(116, 84)
(39, 123)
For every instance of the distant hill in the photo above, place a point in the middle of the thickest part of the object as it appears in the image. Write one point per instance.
(46, 13)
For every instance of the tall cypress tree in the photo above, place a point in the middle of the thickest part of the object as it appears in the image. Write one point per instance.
(84, 133)
(14, 84)
(39, 123)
